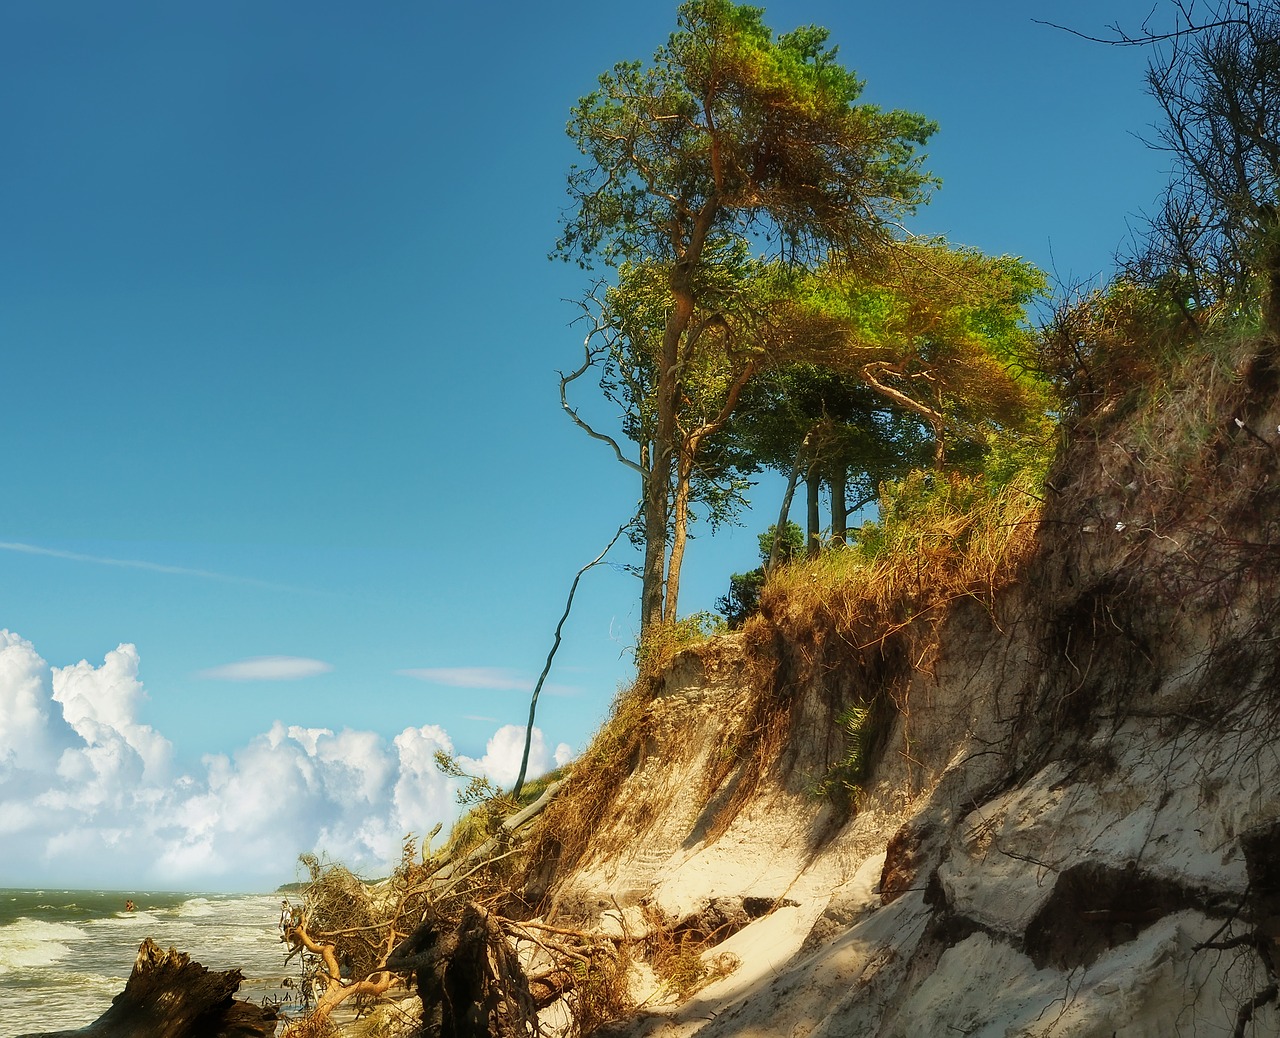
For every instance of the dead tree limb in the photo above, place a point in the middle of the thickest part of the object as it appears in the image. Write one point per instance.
(555, 645)
(169, 996)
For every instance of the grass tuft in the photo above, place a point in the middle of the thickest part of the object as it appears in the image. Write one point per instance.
(940, 538)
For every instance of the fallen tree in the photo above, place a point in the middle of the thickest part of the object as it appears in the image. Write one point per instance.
(169, 996)
(369, 939)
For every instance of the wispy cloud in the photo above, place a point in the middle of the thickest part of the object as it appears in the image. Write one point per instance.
(493, 679)
(151, 567)
(267, 668)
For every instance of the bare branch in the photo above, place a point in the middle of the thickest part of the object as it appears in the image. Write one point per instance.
(555, 645)
(578, 420)
(1145, 39)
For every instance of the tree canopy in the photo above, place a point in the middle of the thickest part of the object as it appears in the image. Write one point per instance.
(750, 210)
(729, 140)
(731, 132)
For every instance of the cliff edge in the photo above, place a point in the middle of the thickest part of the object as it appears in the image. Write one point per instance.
(1044, 801)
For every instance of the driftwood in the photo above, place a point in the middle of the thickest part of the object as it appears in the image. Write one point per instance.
(169, 996)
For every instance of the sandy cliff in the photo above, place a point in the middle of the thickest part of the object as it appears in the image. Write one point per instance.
(1070, 823)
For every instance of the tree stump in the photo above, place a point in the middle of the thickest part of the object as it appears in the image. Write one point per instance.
(169, 996)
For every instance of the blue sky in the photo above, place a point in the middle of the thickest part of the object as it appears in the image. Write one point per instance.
(279, 343)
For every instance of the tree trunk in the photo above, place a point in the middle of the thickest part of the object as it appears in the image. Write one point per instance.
(469, 979)
(813, 484)
(680, 532)
(169, 996)
(785, 511)
(690, 448)
(656, 489)
(838, 482)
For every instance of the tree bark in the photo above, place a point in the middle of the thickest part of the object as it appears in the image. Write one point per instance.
(933, 416)
(838, 482)
(680, 534)
(785, 511)
(169, 996)
(813, 514)
(335, 991)
(690, 448)
(657, 483)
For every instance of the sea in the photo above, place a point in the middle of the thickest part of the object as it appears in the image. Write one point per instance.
(65, 954)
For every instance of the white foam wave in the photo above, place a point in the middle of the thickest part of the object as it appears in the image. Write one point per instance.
(196, 906)
(124, 919)
(29, 943)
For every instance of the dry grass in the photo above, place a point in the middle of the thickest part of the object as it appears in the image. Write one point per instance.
(938, 544)
(602, 991)
(662, 644)
(484, 820)
(564, 831)
(310, 1027)
(1106, 349)
(678, 963)
(952, 541)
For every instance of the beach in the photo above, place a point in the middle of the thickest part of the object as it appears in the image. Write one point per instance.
(64, 954)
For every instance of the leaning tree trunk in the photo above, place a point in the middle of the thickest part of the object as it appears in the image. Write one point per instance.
(685, 461)
(784, 512)
(169, 996)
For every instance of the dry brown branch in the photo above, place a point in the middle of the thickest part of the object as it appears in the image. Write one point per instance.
(336, 991)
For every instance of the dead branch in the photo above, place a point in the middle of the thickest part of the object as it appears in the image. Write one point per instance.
(555, 645)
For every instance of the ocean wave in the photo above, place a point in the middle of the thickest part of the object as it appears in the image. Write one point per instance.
(196, 906)
(28, 943)
(52, 998)
(124, 919)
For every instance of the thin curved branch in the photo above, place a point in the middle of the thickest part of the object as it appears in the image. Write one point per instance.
(1146, 39)
(335, 991)
(588, 361)
(555, 645)
(870, 371)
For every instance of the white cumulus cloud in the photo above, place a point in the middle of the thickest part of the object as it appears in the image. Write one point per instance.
(501, 760)
(29, 735)
(101, 704)
(89, 795)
